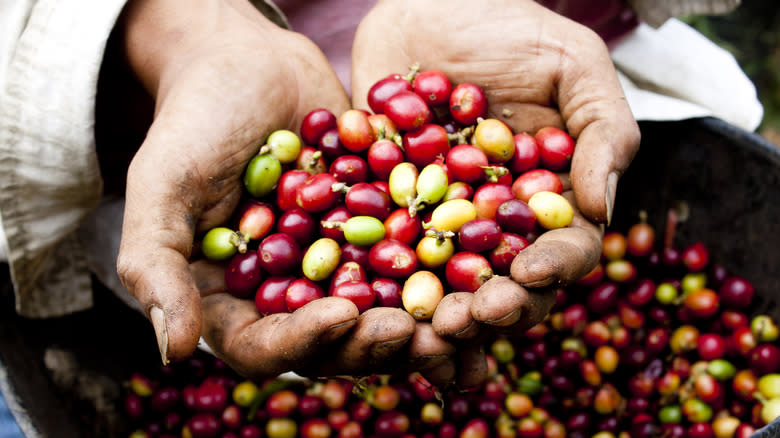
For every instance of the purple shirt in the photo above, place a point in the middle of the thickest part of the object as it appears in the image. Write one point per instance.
(327, 23)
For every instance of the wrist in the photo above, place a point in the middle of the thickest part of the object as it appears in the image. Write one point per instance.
(159, 35)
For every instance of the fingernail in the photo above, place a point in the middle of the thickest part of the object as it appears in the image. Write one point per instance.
(336, 331)
(468, 332)
(161, 330)
(382, 350)
(427, 362)
(511, 318)
(539, 283)
(612, 180)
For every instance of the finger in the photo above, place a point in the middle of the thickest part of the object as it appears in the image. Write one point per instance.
(157, 235)
(524, 117)
(472, 366)
(598, 116)
(378, 335)
(441, 375)
(452, 317)
(510, 308)
(209, 277)
(368, 65)
(538, 305)
(262, 347)
(431, 355)
(559, 256)
(499, 302)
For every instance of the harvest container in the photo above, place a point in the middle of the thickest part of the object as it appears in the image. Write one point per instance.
(728, 178)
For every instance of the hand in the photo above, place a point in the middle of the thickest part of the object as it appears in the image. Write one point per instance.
(379, 340)
(546, 71)
(223, 77)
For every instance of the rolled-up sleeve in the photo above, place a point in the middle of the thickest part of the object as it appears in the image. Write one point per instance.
(49, 175)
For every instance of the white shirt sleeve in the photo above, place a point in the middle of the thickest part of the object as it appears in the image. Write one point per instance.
(50, 56)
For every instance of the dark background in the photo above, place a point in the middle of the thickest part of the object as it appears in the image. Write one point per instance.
(752, 34)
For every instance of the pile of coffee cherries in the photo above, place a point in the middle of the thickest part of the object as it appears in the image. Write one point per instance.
(393, 207)
(657, 341)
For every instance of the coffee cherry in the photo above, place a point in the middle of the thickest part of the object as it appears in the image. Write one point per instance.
(495, 139)
(556, 148)
(384, 89)
(365, 199)
(330, 144)
(271, 294)
(363, 230)
(467, 271)
(298, 224)
(536, 180)
(280, 254)
(431, 185)
(504, 253)
(347, 271)
(316, 193)
(451, 215)
(467, 163)
(262, 174)
(402, 226)
(300, 292)
(736, 293)
(220, 243)
(478, 235)
(391, 258)
(315, 124)
(488, 197)
(387, 292)
(359, 292)
(433, 251)
(468, 103)
(355, 131)
(421, 294)
(349, 169)
(433, 86)
(402, 183)
(407, 110)
(526, 155)
(424, 145)
(383, 156)
(321, 259)
(515, 216)
(551, 210)
(243, 274)
(284, 145)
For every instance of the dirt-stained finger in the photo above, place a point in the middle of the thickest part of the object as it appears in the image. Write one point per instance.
(209, 277)
(559, 256)
(500, 302)
(378, 335)
(538, 306)
(259, 347)
(472, 365)
(453, 318)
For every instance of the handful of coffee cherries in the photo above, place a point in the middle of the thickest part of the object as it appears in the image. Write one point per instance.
(395, 207)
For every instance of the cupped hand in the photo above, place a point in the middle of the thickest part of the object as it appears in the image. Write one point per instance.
(538, 69)
(307, 341)
(224, 78)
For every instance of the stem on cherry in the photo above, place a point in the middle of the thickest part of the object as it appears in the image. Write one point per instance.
(240, 241)
(339, 187)
(440, 236)
(414, 69)
(331, 224)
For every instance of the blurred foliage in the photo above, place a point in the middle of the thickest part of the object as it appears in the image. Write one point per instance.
(752, 34)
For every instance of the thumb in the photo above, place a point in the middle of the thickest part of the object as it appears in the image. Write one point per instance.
(157, 238)
(604, 151)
